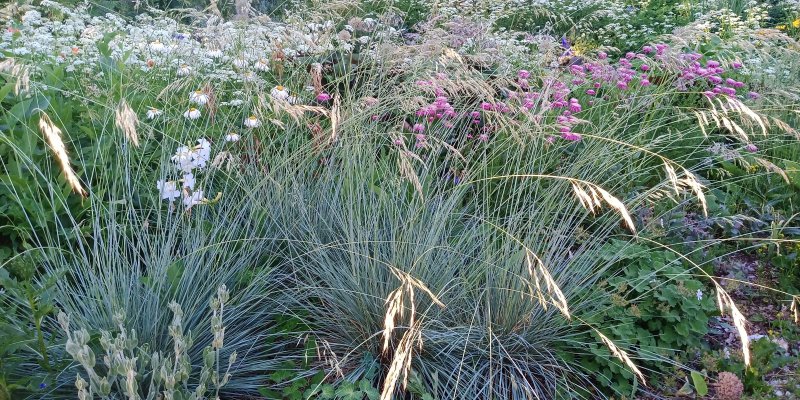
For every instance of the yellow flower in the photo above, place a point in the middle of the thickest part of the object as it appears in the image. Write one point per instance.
(781, 27)
(796, 23)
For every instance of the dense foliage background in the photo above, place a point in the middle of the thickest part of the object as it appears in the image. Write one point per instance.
(408, 199)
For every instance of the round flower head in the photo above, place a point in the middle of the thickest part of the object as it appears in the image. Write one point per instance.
(192, 113)
(198, 97)
(751, 148)
(184, 70)
(157, 46)
(322, 97)
(252, 122)
(261, 65)
(232, 137)
(279, 92)
(523, 74)
(153, 112)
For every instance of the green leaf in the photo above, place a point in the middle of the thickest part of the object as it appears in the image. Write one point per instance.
(699, 383)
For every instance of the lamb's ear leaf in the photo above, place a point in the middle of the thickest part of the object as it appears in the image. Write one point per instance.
(699, 383)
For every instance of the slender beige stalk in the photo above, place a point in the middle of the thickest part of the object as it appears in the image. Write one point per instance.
(53, 136)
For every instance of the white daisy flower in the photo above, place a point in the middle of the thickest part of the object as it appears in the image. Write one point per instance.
(216, 53)
(262, 65)
(249, 76)
(184, 70)
(153, 112)
(252, 122)
(292, 99)
(192, 113)
(279, 92)
(157, 46)
(198, 97)
(233, 136)
(168, 190)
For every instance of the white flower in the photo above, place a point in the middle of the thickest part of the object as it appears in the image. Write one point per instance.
(279, 92)
(215, 53)
(202, 153)
(252, 122)
(240, 63)
(184, 158)
(188, 180)
(262, 65)
(292, 99)
(157, 46)
(184, 70)
(168, 190)
(193, 199)
(699, 295)
(198, 97)
(233, 136)
(192, 113)
(153, 112)
(249, 76)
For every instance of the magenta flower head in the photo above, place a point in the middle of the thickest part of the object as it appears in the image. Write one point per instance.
(753, 95)
(487, 106)
(712, 64)
(751, 148)
(644, 82)
(647, 49)
(736, 65)
(322, 97)
(571, 136)
(591, 92)
(630, 55)
(419, 128)
(709, 94)
(523, 74)
(602, 55)
(644, 67)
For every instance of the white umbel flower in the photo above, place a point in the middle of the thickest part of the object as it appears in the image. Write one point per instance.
(198, 97)
(262, 65)
(233, 136)
(279, 92)
(192, 113)
(153, 112)
(184, 70)
(252, 122)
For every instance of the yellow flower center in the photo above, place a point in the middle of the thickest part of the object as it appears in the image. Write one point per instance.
(279, 87)
(198, 91)
(192, 109)
(253, 118)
